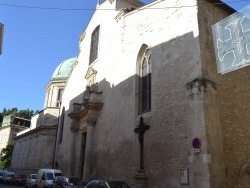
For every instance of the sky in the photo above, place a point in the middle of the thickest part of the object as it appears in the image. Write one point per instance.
(38, 36)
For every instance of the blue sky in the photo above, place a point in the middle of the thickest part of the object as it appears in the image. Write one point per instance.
(36, 41)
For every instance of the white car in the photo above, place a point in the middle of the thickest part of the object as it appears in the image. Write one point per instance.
(45, 177)
(31, 181)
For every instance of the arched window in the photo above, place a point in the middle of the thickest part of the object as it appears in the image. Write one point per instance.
(94, 45)
(59, 97)
(144, 80)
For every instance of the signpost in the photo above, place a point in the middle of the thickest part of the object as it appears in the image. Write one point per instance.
(196, 143)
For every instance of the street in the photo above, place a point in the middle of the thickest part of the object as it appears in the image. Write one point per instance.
(10, 186)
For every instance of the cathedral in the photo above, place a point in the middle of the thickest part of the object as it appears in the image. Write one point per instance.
(143, 102)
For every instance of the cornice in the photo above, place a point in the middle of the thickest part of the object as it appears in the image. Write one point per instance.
(55, 82)
(82, 36)
(78, 115)
(89, 105)
(92, 105)
(135, 2)
(38, 129)
(223, 5)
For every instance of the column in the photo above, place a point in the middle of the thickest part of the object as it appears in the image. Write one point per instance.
(71, 164)
(88, 170)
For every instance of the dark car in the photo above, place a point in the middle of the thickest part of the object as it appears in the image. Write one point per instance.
(2, 173)
(106, 184)
(68, 182)
(77, 181)
(7, 177)
(18, 180)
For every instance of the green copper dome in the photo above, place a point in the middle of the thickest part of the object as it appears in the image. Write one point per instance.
(63, 70)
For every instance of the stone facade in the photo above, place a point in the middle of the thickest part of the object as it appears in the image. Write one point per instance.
(11, 126)
(35, 147)
(179, 95)
(226, 111)
(34, 150)
(98, 112)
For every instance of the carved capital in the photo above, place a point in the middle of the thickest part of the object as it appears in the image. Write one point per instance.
(197, 87)
(201, 81)
(91, 120)
(83, 126)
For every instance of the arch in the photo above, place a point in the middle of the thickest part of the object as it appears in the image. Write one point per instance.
(244, 176)
(244, 169)
(143, 80)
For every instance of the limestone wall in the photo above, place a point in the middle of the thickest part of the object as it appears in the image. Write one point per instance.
(226, 110)
(5, 136)
(184, 101)
(172, 35)
(34, 150)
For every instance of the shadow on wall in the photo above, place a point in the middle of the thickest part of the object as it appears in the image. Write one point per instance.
(173, 65)
(46, 117)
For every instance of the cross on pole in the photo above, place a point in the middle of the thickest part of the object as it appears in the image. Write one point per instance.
(142, 127)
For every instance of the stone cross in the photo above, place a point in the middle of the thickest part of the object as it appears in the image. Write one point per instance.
(142, 127)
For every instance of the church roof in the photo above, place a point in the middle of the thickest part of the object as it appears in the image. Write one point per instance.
(63, 70)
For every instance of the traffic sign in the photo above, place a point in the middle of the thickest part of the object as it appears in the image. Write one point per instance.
(196, 143)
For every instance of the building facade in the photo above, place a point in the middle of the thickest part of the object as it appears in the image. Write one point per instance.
(144, 102)
(10, 127)
(35, 147)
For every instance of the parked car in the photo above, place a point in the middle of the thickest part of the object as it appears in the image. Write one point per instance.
(2, 173)
(30, 182)
(106, 184)
(68, 182)
(18, 180)
(7, 177)
(77, 181)
(45, 177)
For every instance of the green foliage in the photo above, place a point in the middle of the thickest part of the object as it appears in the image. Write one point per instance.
(1, 119)
(6, 154)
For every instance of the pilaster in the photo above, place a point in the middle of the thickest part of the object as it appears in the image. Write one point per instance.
(84, 118)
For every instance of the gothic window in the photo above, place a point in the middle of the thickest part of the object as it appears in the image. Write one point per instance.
(61, 126)
(94, 45)
(145, 83)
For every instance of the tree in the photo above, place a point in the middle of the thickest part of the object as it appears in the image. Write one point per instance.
(2, 115)
(25, 113)
(1, 119)
(6, 154)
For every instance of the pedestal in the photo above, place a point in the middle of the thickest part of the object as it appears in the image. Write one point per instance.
(141, 179)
